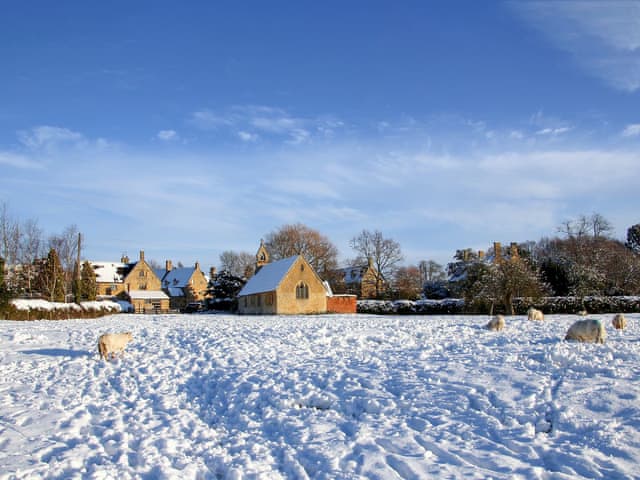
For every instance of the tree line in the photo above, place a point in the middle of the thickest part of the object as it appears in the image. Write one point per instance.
(40, 266)
(582, 259)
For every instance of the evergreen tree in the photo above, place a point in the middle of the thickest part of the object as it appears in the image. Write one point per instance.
(633, 238)
(223, 290)
(4, 291)
(75, 285)
(88, 287)
(51, 278)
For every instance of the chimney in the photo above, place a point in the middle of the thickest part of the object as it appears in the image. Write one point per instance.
(124, 259)
(497, 251)
(513, 249)
(370, 262)
(141, 255)
(168, 266)
(212, 272)
(465, 255)
(197, 266)
(481, 254)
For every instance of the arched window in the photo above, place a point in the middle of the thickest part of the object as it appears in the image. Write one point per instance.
(302, 291)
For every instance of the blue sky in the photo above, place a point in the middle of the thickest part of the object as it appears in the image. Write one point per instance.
(190, 129)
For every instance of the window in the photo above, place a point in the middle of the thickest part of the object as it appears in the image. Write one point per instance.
(302, 291)
(259, 300)
(269, 299)
(141, 274)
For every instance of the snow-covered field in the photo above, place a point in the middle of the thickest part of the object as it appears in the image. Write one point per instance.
(324, 397)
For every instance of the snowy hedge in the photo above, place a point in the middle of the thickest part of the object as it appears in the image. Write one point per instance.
(420, 307)
(549, 305)
(35, 309)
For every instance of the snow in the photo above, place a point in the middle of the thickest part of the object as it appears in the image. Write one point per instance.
(322, 397)
(268, 277)
(177, 277)
(147, 295)
(109, 272)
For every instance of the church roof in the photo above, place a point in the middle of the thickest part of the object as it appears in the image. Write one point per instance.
(268, 277)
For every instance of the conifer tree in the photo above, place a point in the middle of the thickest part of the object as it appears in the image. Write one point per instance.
(4, 292)
(88, 287)
(51, 278)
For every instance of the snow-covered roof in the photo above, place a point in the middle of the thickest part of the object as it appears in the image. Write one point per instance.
(109, 272)
(353, 274)
(177, 277)
(147, 295)
(268, 277)
(176, 292)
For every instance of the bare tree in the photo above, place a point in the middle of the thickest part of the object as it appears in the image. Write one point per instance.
(9, 236)
(66, 246)
(31, 249)
(430, 271)
(383, 253)
(408, 282)
(298, 239)
(595, 225)
(238, 264)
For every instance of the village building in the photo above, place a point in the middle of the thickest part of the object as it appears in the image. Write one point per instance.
(183, 285)
(359, 280)
(289, 286)
(133, 281)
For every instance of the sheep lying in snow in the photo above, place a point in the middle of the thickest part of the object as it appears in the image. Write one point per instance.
(496, 323)
(111, 343)
(619, 322)
(535, 314)
(591, 331)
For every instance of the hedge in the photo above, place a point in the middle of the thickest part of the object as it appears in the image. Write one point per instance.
(43, 310)
(549, 305)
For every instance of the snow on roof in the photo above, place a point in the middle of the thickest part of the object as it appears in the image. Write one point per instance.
(353, 274)
(176, 292)
(147, 295)
(109, 272)
(268, 277)
(177, 277)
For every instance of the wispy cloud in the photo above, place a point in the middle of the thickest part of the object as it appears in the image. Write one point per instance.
(18, 161)
(251, 123)
(553, 131)
(43, 136)
(167, 135)
(399, 185)
(632, 130)
(603, 36)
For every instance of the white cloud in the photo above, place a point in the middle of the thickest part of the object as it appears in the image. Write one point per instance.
(251, 122)
(553, 131)
(632, 130)
(43, 136)
(603, 37)
(18, 161)
(167, 135)
(247, 136)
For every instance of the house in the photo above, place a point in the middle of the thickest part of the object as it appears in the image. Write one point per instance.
(135, 281)
(183, 285)
(359, 280)
(288, 286)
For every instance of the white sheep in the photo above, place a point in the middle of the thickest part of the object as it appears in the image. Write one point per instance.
(535, 314)
(590, 331)
(111, 343)
(619, 322)
(583, 312)
(496, 323)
